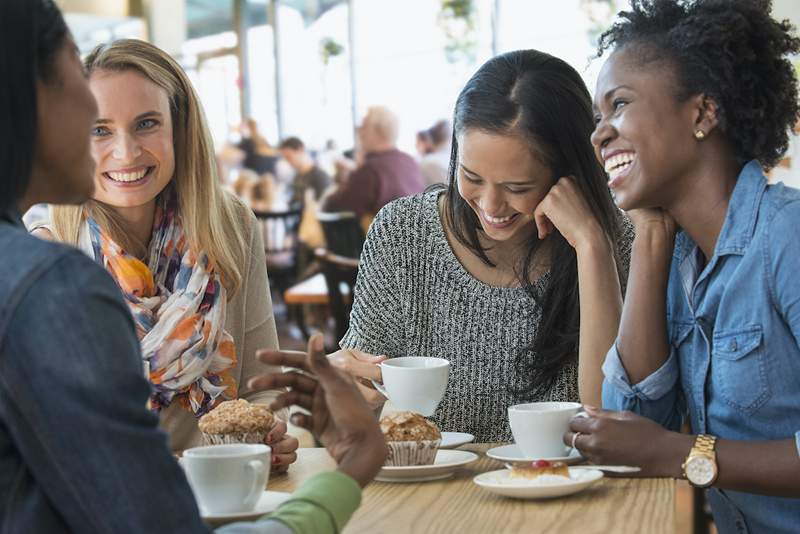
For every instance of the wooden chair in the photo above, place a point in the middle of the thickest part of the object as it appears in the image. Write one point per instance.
(343, 233)
(279, 231)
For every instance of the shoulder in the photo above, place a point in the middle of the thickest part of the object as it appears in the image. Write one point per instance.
(409, 213)
(53, 282)
(780, 216)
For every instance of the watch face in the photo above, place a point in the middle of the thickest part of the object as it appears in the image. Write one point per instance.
(700, 471)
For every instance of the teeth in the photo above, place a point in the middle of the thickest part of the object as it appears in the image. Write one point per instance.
(496, 220)
(619, 162)
(127, 176)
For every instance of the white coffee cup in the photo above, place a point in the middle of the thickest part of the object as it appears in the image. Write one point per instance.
(539, 427)
(227, 479)
(414, 383)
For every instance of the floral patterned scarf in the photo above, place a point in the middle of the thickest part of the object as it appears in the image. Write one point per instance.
(178, 305)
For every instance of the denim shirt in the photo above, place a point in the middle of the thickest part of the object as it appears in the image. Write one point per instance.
(734, 332)
(79, 451)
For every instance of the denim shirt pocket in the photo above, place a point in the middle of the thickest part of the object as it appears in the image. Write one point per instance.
(738, 368)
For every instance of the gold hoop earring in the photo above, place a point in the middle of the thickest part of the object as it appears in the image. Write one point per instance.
(699, 135)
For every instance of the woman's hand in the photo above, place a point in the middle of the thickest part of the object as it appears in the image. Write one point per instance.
(565, 209)
(363, 367)
(624, 438)
(284, 447)
(339, 416)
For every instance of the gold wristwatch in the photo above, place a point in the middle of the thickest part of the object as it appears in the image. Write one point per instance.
(700, 467)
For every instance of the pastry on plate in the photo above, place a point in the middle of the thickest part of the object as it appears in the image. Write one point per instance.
(410, 439)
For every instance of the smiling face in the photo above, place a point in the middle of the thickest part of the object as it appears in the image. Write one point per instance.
(132, 141)
(644, 136)
(502, 182)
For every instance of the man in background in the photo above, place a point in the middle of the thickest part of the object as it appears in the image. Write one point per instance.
(308, 174)
(385, 173)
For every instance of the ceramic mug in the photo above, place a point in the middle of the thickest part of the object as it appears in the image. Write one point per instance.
(414, 383)
(539, 427)
(227, 479)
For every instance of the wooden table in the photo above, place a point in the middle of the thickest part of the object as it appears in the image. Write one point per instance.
(457, 505)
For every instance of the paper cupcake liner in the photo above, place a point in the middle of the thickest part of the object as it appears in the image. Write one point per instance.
(242, 437)
(412, 452)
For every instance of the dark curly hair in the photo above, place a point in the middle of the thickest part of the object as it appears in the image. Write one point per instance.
(734, 52)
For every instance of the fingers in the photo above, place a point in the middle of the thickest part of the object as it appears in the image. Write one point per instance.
(289, 398)
(374, 398)
(317, 360)
(281, 462)
(366, 357)
(291, 379)
(288, 445)
(285, 358)
(544, 226)
(302, 420)
(348, 363)
(276, 433)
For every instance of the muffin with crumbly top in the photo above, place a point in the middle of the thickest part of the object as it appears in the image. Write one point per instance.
(410, 439)
(236, 421)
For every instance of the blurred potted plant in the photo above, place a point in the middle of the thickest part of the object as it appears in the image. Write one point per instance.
(328, 48)
(457, 18)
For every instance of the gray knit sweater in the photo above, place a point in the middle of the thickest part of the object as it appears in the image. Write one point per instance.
(414, 298)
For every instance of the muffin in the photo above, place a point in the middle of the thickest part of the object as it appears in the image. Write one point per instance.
(236, 421)
(410, 439)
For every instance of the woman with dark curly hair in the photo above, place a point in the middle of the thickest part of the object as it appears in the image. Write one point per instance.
(695, 101)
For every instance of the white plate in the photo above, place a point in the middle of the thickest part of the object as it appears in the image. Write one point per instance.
(512, 453)
(500, 483)
(445, 464)
(451, 440)
(269, 502)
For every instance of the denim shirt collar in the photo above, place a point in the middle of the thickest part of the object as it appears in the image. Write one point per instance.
(740, 220)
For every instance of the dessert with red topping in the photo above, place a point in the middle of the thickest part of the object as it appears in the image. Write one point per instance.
(538, 468)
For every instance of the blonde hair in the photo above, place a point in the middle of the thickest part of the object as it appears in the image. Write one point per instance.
(210, 217)
(385, 123)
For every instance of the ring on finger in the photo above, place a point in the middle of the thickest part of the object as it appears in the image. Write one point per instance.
(575, 439)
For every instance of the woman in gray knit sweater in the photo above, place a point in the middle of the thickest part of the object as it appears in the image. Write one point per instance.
(497, 271)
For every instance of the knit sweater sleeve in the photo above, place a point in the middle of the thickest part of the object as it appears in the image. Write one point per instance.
(377, 324)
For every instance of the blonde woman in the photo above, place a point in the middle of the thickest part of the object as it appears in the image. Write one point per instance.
(186, 255)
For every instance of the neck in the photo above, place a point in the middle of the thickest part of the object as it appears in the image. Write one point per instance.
(380, 147)
(702, 204)
(138, 221)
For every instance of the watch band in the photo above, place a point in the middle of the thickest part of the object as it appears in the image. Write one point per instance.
(705, 444)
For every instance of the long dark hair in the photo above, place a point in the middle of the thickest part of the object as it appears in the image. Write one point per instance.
(543, 99)
(32, 31)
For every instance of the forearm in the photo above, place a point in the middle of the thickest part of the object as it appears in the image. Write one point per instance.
(600, 308)
(643, 345)
(762, 467)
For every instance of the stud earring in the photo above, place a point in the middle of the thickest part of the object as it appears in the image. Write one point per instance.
(699, 135)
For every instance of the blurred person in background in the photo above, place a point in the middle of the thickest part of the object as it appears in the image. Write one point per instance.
(433, 146)
(308, 175)
(187, 256)
(259, 155)
(385, 174)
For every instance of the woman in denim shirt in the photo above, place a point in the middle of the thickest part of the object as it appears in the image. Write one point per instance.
(696, 99)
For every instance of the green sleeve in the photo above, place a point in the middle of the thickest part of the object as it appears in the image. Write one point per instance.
(323, 504)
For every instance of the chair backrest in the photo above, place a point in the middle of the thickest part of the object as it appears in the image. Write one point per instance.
(280, 230)
(339, 271)
(343, 233)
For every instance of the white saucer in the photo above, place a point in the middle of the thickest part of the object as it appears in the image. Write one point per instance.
(512, 453)
(451, 440)
(446, 464)
(500, 483)
(269, 502)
